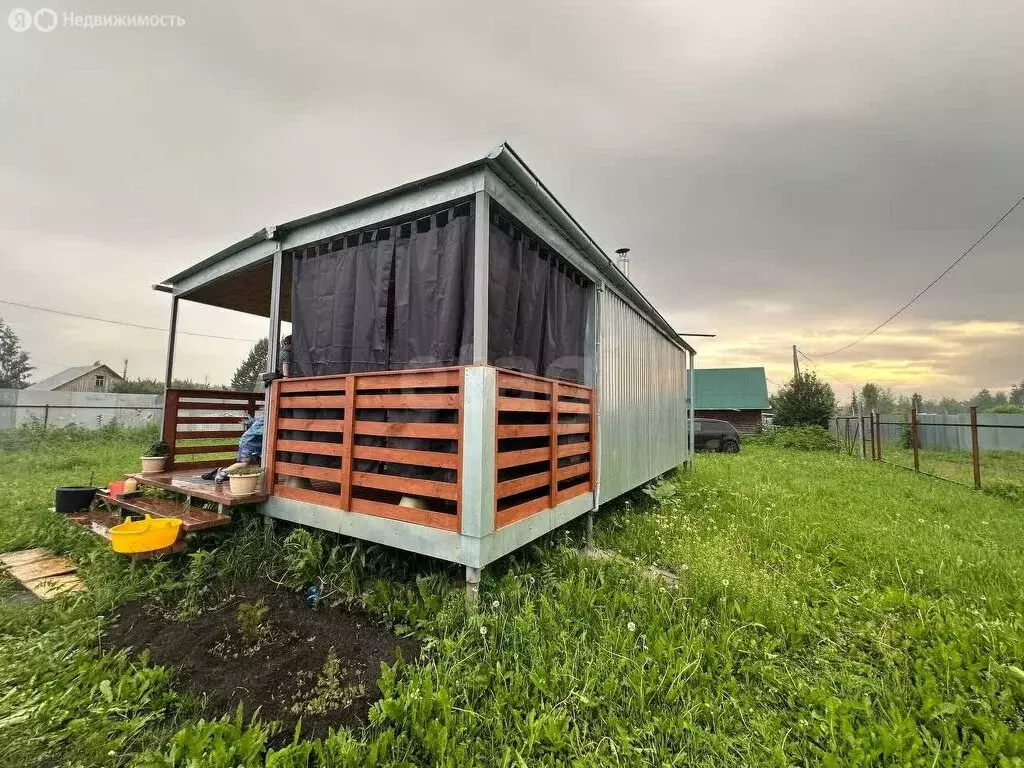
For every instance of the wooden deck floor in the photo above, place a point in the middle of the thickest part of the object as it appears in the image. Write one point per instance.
(189, 482)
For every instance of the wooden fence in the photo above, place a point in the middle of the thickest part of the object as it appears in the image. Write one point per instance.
(205, 423)
(386, 444)
(545, 438)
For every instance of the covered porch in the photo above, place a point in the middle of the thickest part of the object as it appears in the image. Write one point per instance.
(460, 423)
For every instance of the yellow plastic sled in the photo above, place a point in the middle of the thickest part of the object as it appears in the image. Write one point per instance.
(147, 535)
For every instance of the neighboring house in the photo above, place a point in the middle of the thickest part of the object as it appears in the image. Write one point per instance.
(82, 378)
(736, 395)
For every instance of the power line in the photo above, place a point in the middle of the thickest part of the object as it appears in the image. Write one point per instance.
(121, 322)
(924, 290)
(818, 365)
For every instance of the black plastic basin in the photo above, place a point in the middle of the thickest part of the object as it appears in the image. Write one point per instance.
(74, 498)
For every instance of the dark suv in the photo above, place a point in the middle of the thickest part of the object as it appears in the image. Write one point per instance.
(715, 435)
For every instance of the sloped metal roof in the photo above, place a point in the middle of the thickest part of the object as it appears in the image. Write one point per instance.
(505, 162)
(721, 389)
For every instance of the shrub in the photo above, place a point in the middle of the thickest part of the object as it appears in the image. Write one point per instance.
(804, 400)
(159, 448)
(808, 438)
(303, 558)
(1011, 490)
(247, 470)
(1006, 409)
(250, 621)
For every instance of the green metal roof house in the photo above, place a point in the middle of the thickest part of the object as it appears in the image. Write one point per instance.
(736, 395)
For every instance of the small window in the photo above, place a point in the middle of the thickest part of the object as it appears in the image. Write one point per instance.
(100, 381)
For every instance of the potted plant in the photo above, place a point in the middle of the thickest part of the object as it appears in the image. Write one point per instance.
(244, 480)
(155, 458)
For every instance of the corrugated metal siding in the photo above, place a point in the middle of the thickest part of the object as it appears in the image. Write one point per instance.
(641, 399)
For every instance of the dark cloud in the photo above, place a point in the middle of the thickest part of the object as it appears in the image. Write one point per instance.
(784, 172)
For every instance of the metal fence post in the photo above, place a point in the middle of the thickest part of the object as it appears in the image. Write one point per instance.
(874, 439)
(46, 415)
(913, 439)
(863, 438)
(878, 432)
(975, 451)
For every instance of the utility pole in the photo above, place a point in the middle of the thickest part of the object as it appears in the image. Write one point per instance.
(796, 363)
(124, 374)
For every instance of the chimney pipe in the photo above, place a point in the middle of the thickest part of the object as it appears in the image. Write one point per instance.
(623, 260)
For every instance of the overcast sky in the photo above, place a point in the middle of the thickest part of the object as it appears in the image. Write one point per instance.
(785, 172)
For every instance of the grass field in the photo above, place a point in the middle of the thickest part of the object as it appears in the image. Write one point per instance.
(996, 466)
(828, 612)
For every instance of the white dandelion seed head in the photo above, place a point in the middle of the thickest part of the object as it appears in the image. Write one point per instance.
(631, 627)
(483, 631)
(725, 582)
(798, 557)
(496, 604)
(920, 572)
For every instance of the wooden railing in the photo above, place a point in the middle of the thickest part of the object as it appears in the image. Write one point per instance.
(545, 441)
(205, 423)
(386, 444)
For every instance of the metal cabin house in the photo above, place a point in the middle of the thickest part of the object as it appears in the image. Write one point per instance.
(473, 369)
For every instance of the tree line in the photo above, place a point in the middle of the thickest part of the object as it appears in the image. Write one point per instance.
(807, 400)
(872, 397)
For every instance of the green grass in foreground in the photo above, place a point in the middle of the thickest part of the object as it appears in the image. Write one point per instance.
(830, 612)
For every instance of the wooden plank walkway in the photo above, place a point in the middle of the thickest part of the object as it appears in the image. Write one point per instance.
(43, 573)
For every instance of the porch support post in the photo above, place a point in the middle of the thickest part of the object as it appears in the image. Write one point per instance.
(172, 333)
(473, 587)
(481, 240)
(273, 349)
(274, 334)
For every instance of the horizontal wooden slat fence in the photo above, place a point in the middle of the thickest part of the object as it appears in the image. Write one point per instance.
(545, 438)
(386, 444)
(207, 423)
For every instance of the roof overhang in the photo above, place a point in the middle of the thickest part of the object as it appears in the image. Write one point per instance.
(504, 162)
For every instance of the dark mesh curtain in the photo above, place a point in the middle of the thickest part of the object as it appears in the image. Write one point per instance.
(399, 298)
(339, 306)
(433, 317)
(566, 316)
(433, 293)
(396, 299)
(504, 290)
(537, 307)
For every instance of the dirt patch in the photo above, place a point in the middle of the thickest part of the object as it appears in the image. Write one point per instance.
(289, 661)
